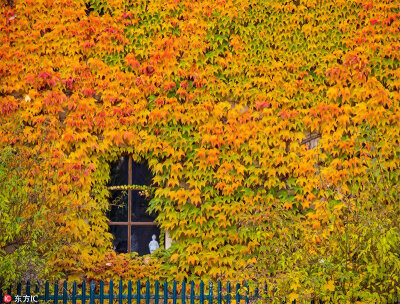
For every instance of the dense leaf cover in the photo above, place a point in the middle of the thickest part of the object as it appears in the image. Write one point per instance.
(219, 97)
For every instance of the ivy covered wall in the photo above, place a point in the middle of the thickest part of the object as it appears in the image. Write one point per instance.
(218, 97)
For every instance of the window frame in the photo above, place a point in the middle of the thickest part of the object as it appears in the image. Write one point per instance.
(129, 224)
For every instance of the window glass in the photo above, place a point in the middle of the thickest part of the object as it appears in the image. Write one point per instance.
(132, 227)
(141, 175)
(120, 234)
(119, 206)
(142, 236)
(119, 172)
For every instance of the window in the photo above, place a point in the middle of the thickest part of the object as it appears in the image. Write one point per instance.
(130, 223)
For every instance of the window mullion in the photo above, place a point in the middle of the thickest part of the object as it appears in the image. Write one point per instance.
(129, 203)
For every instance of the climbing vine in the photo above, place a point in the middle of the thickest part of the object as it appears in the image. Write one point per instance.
(220, 98)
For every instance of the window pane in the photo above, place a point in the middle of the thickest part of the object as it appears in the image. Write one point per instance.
(118, 206)
(140, 204)
(120, 234)
(119, 172)
(141, 175)
(142, 236)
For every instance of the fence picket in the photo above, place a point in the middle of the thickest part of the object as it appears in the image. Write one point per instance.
(183, 292)
(129, 292)
(192, 296)
(165, 292)
(56, 292)
(65, 292)
(19, 289)
(219, 296)
(147, 292)
(101, 291)
(28, 288)
(83, 297)
(46, 292)
(247, 293)
(138, 292)
(156, 293)
(210, 293)
(201, 292)
(228, 293)
(120, 292)
(237, 293)
(74, 293)
(92, 287)
(110, 293)
(174, 297)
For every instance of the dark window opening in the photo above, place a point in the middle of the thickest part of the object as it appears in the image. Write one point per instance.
(130, 223)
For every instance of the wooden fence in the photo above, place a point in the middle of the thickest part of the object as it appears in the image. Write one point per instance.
(128, 292)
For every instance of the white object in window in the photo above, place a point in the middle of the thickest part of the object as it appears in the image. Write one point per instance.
(168, 240)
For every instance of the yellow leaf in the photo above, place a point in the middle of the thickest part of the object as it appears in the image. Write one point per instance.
(287, 205)
(293, 296)
(174, 257)
(332, 93)
(330, 286)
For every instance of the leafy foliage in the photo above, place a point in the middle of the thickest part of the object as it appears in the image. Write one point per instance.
(22, 223)
(218, 97)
